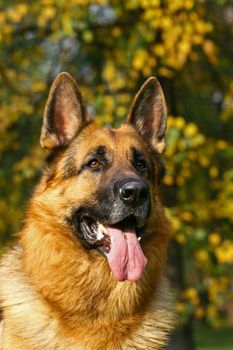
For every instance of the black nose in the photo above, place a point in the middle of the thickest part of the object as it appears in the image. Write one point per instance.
(133, 191)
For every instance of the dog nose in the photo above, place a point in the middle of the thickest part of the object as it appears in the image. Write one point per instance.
(133, 191)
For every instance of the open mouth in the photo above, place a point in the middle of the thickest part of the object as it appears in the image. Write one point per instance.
(119, 242)
(97, 234)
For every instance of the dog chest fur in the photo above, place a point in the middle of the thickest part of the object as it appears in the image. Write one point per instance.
(33, 324)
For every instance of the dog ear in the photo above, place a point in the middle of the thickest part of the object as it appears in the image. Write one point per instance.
(148, 114)
(65, 114)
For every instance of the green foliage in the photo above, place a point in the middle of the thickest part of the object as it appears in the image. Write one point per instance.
(110, 47)
(213, 339)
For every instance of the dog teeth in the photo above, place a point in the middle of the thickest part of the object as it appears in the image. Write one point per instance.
(102, 228)
(139, 239)
(101, 231)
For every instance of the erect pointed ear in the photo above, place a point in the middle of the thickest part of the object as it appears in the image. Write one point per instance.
(64, 115)
(148, 114)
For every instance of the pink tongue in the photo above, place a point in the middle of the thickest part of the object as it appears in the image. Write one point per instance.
(125, 258)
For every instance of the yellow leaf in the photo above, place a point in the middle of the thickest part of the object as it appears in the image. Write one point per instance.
(179, 123)
(213, 171)
(109, 71)
(87, 36)
(214, 239)
(190, 130)
(168, 180)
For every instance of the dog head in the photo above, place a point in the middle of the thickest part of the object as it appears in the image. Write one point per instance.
(102, 183)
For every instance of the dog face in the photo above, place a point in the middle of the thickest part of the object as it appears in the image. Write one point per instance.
(102, 183)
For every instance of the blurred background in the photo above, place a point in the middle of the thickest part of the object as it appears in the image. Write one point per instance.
(110, 48)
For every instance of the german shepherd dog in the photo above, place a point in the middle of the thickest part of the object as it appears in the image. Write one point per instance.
(87, 272)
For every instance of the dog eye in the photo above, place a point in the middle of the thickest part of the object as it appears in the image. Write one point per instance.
(94, 164)
(140, 165)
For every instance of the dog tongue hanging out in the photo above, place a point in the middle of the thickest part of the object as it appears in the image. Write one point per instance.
(126, 257)
(87, 271)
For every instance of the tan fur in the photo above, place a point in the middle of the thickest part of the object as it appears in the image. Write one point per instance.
(56, 294)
